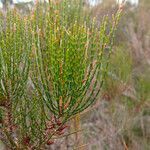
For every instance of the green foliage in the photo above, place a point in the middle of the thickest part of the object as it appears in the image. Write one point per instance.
(120, 72)
(53, 63)
(142, 82)
(121, 64)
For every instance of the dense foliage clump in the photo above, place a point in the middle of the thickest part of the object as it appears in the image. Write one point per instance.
(53, 63)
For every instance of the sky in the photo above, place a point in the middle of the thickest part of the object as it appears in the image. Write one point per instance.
(132, 1)
(15, 1)
(93, 2)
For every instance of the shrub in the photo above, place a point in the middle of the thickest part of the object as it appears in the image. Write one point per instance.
(53, 63)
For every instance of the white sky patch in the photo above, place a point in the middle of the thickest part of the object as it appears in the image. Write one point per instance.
(1, 5)
(17, 1)
(131, 1)
(94, 2)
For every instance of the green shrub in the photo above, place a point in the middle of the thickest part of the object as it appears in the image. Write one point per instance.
(52, 66)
